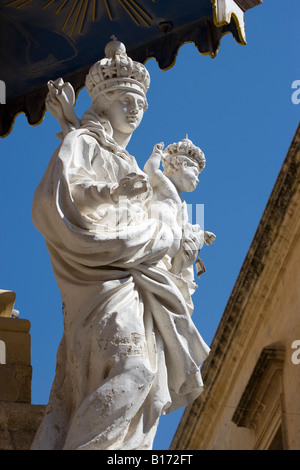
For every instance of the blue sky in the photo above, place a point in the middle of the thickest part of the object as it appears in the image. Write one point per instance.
(237, 107)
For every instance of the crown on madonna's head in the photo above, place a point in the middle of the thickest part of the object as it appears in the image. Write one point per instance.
(186, 148)
(117, 71)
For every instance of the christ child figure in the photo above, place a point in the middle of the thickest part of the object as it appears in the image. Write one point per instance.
(182, 163)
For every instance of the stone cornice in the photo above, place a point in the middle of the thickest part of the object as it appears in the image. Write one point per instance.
(248, 409)
(267, 233)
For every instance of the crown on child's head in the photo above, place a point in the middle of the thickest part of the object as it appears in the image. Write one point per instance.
(117, 71)
(186, 148)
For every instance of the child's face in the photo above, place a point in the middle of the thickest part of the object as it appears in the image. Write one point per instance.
(188, 176)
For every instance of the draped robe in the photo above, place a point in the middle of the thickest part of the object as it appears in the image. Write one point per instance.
(130, 351)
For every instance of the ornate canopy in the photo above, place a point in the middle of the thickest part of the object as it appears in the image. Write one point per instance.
(47, 39)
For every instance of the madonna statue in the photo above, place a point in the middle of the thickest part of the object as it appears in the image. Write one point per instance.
(130, 351)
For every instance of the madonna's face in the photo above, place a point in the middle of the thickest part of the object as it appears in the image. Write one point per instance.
(126, 112)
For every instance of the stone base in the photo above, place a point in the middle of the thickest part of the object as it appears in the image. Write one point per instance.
(18, 424)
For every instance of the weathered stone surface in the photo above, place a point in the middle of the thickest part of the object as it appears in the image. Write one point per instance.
(15, 383)
(18, 424)
(15, 367)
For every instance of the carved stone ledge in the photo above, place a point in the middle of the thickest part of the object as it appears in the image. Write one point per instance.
(260, 386)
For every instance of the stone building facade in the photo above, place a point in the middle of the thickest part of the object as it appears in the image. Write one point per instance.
(252, 376)
(19, 419)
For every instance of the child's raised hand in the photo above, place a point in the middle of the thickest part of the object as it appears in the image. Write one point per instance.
(158, 150)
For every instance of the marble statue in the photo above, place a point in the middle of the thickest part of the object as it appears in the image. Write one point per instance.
(130, 351)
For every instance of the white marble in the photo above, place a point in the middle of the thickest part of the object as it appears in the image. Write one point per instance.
(130, 350)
